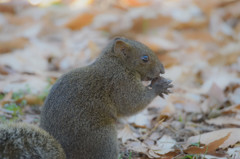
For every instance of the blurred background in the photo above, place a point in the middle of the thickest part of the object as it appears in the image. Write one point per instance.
(41, 38)
(198, 41)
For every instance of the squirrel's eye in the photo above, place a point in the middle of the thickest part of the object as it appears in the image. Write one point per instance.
(145, 58)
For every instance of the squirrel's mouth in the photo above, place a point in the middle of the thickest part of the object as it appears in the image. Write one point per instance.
(148, 80)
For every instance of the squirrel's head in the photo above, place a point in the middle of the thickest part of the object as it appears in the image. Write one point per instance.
(138, 58)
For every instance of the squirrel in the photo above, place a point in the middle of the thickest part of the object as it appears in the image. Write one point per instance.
(83, 105)
(24, 141)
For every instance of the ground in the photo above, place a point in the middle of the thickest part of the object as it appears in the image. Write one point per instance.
(198, 42)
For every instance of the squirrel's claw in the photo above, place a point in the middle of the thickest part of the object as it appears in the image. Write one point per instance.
(161, 95)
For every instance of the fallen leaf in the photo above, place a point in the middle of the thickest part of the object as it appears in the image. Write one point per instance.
(31, 99)
(168, 110)
(168, 60)
(231, 110)
(234, 152)
(228, 59)
(142, 24)
(218, 75)
(5, 70)
(162, 43)
(8, 46)
(216, 93)
(126, 133)
(31, 119)
(199, 36)
(224, 120)
(135, 3)
(95, 50)
(190, 103)
(81, 4)
(211, 147)
(80, 21)
(7, 98)
(234, 97)
(18, 20)
(170, 154)
(164, 145)
(194, 23)
(140, 119)
(210, 137)
(207, 7)
(137, 146)
(19, 82)
(7, 8)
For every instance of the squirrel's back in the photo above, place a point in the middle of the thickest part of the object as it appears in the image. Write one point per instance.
(24, 141)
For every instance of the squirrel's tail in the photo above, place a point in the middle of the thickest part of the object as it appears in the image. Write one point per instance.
(20, 140)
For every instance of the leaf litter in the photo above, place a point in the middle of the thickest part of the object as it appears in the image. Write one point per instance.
(197, 41)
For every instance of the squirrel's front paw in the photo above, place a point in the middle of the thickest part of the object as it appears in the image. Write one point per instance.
(161, 86)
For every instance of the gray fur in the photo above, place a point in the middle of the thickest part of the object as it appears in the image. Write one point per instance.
(22, 141)
(84, 104)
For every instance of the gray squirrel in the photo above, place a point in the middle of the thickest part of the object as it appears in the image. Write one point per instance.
(84, 104)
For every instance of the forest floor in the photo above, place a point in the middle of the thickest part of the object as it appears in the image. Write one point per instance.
(198, 42)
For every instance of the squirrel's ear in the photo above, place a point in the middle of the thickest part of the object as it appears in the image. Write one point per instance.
(120, 47)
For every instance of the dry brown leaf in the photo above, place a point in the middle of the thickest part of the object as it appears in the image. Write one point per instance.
(164, 145)
(7, 98)
(224, 120)
(30, 118)
(5, 70)
(142, 24)
(138, 126)
(207, 7)
(228, 59)
(164, 44)
(140, 120)
(137, 146)
(196, 24)
(210, 137)
(211, 147)
(234, 152)
(95, 50)
(216, 93)
(134, 3)
(221, 76)
(152, 154)
(18, 43)
(202, 36)
(7, 8)
(188, 104)
(126, 133)
(232, 87)
(80, 21)
(231, 110)
(31, 99)
(152, 46)
(18, 20)
(167, 111)
(153, 129)
(234, 97)
(168, 60)
(170, 154)
(228, 2)
(84, 3)
(237, 107)
(19, 82)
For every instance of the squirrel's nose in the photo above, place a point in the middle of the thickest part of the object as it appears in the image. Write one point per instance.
(162, 70)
